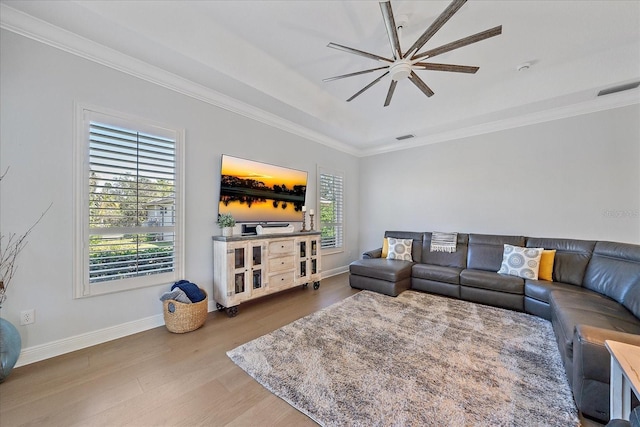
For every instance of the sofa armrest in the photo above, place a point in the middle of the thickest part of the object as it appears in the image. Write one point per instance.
(592, 367)
(376, 253)
(593, 335)
(591, 359)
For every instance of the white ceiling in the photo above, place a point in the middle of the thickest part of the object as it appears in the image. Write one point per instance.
(268, 58)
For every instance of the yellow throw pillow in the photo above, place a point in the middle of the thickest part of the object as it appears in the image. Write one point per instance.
(385, 248)
(546, 265)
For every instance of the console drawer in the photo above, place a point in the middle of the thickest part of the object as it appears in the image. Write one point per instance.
(281, 280)
(281, 247)
(281, 263)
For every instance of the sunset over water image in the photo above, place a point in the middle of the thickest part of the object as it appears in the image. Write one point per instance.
(255, 191)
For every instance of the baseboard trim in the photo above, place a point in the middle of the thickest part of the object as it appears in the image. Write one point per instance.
(67, 345)
(334, 272)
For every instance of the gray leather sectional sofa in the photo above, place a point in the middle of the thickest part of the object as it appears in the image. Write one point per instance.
(594, 295)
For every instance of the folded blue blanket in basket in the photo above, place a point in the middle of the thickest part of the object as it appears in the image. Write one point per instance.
(194, 293)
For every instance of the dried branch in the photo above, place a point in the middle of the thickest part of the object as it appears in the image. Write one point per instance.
(10, 247)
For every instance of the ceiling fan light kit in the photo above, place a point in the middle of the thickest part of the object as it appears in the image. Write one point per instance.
(403, 65)
(401, 69)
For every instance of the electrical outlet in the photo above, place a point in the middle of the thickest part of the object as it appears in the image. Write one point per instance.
(28, 317)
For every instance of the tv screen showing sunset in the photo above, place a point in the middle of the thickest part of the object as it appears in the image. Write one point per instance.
(259, 192)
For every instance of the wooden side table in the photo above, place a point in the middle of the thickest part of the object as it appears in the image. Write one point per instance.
(625, 377)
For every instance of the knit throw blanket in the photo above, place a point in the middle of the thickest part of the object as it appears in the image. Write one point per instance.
(443, 242)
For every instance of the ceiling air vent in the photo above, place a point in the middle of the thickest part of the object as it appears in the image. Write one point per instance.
(403, 137)
(619, 88)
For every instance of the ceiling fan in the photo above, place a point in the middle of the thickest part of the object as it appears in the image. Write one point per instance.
(404, 64)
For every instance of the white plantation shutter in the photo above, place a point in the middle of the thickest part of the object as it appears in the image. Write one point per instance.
(131, 210)
(130, 174)
(331, 208)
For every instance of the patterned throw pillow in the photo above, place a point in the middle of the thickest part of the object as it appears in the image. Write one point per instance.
(400, 249)
(521, 262)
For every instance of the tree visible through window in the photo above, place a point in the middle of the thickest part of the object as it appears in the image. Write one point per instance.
(331, 209)
(131, 211)
(131, 173)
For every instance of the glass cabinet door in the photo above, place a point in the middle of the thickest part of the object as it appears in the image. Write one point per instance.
(256, 255)
(238, 258)
(239, 283)
(257, 279)
(238, 265)
(256, 265)
(303, 268)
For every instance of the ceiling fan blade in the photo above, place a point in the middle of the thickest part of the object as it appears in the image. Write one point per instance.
(447, 67)
(357, 73)
(358, 52)
(421, 85)
(367, 87)
(392, 32)
(392, 88)
(495, 31)
(435, 26)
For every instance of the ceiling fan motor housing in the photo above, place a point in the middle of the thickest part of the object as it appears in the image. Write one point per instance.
(400, 69)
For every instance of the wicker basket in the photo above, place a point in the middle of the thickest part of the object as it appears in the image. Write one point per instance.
(180, 317)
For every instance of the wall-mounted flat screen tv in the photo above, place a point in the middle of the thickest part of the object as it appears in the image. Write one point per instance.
(259, 192)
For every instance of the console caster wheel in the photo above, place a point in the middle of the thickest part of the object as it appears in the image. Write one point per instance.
(232, 311)
(220, 307)
(316, 285)
(305, 285)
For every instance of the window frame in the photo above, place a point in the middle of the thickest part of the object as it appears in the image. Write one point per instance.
(82, 287)
(327, 171)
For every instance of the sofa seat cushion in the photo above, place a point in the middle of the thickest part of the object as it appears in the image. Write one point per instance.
(437, 273)
(383, 269)
(541, 289)
(569, 309)
(492, 281)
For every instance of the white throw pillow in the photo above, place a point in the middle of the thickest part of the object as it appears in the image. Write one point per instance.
(400, 249)
(521, 262)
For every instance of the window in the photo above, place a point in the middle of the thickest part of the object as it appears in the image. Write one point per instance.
(331, 208)
(129, 206)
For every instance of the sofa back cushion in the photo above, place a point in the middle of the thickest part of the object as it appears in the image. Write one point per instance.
(485, 250)
(416, 248)
(614, 271)
(456, 259)
(571, 260)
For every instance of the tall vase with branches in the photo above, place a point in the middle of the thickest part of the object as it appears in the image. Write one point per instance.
(11, 245)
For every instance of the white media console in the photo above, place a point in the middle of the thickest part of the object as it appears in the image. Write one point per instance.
(249, 267)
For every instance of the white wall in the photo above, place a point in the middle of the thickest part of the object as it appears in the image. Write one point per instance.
(575, 178)
(581, 175)
(38, 87)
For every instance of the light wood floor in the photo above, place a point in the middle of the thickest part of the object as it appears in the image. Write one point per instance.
(158, 378)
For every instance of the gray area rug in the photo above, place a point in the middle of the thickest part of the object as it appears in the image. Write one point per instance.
(414, 360)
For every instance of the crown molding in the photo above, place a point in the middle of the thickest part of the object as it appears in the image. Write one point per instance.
(36, 29)
(44, 32)
(607, 102)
